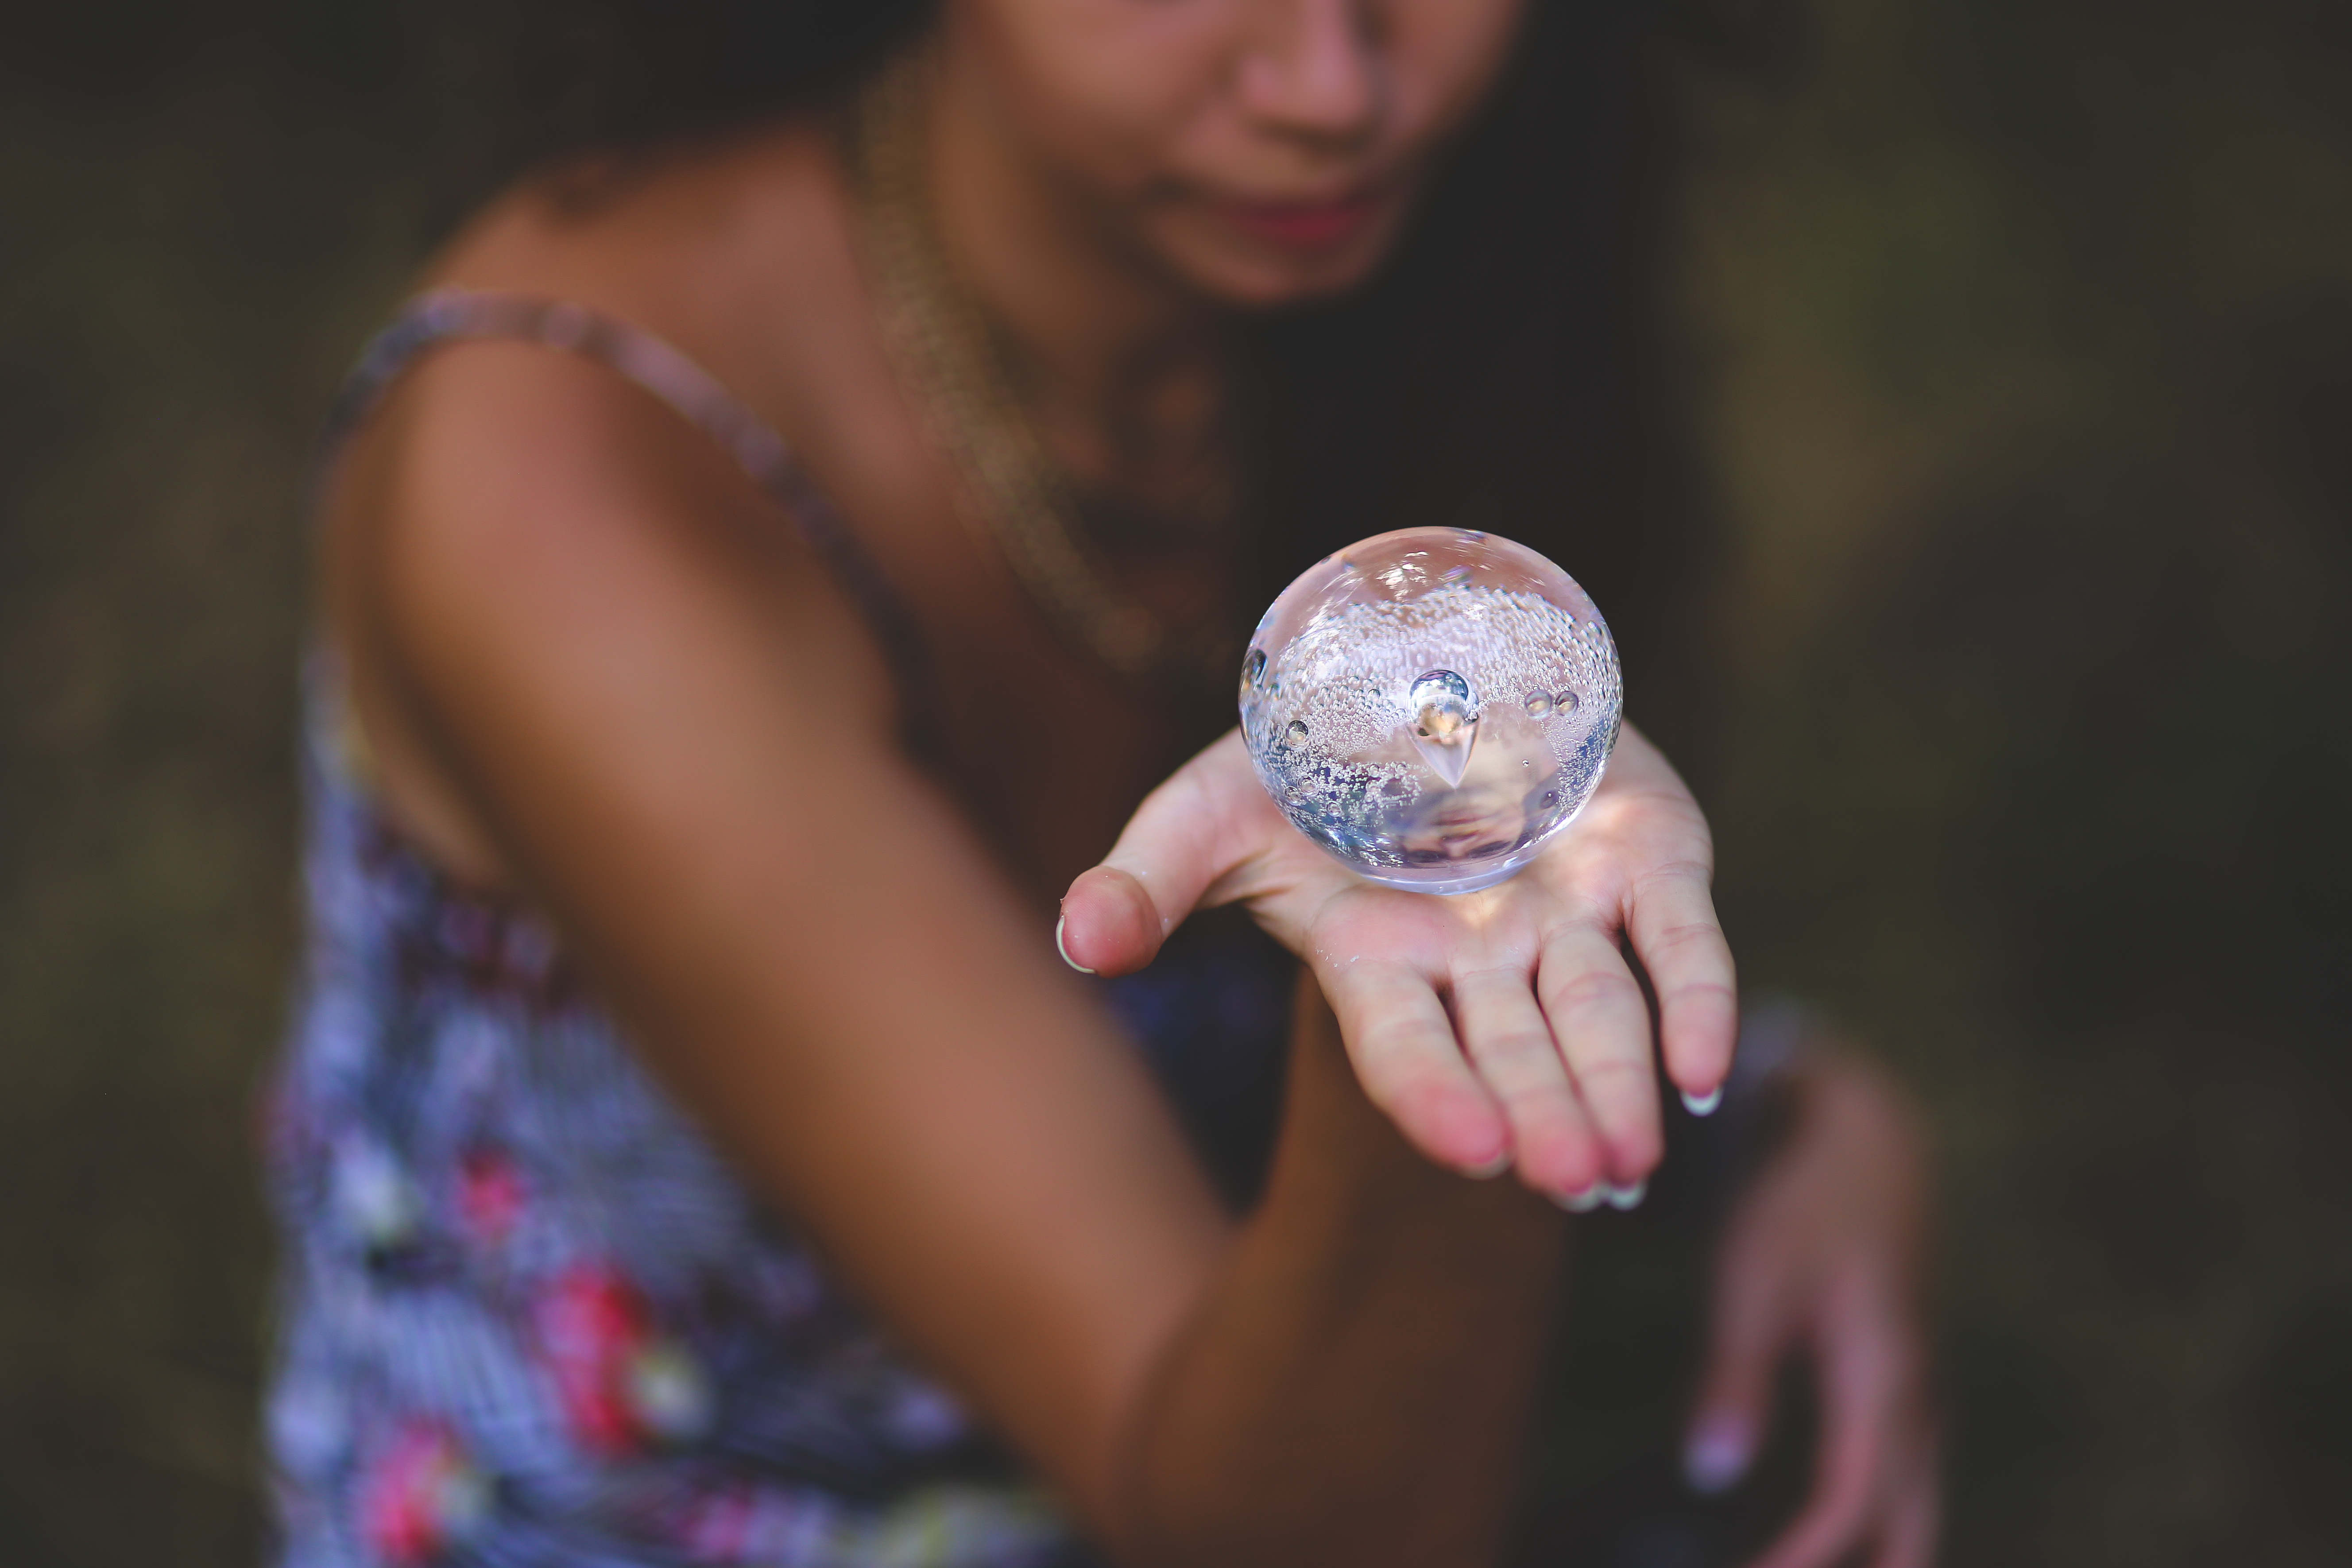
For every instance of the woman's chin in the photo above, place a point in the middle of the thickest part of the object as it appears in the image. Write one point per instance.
(1255, 272)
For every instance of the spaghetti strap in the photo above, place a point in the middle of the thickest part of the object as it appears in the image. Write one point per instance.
(461, 315)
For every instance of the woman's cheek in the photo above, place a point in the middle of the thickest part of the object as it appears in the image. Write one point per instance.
(1111, 86)
(1446, 56)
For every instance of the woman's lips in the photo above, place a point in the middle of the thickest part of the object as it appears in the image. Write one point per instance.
(1304, 226)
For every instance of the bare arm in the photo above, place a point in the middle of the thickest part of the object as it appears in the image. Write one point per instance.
(598, 665)
(1356, 1387)
(1824, 1255)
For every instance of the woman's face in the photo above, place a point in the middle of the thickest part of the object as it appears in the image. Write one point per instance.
(1261, 151)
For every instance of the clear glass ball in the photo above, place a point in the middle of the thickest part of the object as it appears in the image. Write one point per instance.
(1431, 706)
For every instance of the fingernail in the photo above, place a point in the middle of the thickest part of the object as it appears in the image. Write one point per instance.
(1494, 1167)
(1628, 1197)
(1703, 1104)
(1585, 1202)
(1716, 1455)
(1064, 951)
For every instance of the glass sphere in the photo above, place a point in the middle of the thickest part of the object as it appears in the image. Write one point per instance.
(1431, 706)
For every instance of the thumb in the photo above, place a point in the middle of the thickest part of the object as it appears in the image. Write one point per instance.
(1733, 1408)
(1181, 841)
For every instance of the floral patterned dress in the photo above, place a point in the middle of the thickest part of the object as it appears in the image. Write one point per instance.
(529, 1317)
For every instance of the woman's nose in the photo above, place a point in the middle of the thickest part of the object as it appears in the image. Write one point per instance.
(1312, 70)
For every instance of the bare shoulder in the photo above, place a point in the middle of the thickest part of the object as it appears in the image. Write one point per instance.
(516, 464)
(516, 523)
(512, 490)
(739, 253)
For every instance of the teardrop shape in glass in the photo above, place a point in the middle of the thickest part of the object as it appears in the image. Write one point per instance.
(1444, 722)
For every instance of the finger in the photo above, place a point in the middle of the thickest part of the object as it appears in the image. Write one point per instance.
(1511, 1048)
(1864, 1379)
(1672, 920)
(1601, 1023)
(1405, 1056)
(1913, 1521)
(1750, 1334)
(1190, 832)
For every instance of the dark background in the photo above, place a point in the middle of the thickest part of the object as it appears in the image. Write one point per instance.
(2025, 333)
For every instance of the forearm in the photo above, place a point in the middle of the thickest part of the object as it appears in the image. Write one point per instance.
(1356, 1387)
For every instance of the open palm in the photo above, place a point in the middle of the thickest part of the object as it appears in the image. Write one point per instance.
(1500, 1027)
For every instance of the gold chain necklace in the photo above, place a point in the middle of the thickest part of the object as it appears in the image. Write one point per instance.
(1023, 503)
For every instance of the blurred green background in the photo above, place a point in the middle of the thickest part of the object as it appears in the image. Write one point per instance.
(2025, 337)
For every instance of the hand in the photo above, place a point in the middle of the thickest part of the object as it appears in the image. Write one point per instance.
(1821, 1255)
(1495, 1028)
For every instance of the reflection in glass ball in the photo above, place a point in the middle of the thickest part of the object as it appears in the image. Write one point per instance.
(1431, 705)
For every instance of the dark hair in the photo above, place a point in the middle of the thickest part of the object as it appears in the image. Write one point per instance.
(565, 80)
(1513, 368)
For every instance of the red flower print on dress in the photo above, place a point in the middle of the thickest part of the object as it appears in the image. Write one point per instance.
(420, 1495)
(489, 1197)
(622, 1384)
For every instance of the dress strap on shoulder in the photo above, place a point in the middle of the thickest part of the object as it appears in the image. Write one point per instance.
(457, 315)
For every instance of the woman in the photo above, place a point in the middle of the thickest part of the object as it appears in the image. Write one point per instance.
(785, 570)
